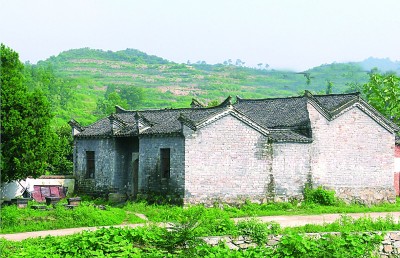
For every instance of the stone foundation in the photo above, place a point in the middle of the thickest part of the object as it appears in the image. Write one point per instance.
(367, 196)
(230, 200)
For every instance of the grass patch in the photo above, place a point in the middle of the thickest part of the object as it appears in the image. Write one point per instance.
(349, 224)
(211, 220)
(86, 214)
(162, 213)
(152, 241)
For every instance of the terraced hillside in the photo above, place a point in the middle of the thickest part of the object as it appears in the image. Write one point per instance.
(145, 81)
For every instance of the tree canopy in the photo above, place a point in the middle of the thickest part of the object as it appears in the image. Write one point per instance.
(25, 122)
(383, 92)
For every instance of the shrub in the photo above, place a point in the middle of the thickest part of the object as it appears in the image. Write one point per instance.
(319, 196)
(257, 230)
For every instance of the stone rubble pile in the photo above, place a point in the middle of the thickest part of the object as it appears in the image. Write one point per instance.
(390, 246)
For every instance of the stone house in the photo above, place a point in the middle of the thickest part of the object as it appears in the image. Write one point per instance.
(252, 149)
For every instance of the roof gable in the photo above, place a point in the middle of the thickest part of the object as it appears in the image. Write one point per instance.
(333, 106)
(229, 110)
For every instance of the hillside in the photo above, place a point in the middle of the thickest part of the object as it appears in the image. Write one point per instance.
(160, 83)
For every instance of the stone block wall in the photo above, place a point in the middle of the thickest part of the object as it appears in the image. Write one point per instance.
(113, 165)
(390, 246)
(352, 152)
(226, 161)
(104, 179)
(150, 179)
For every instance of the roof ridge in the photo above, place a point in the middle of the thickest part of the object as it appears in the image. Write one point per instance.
(356, 93)
(171, 109)
(291, 97)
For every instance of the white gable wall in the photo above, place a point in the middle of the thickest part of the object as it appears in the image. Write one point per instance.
(226, 160)
(353, 155)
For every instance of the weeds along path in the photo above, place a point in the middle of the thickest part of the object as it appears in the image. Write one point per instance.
(63, 232)
(284, 221)
(301, 220)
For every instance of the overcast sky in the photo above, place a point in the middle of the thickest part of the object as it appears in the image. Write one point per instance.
(293, 34)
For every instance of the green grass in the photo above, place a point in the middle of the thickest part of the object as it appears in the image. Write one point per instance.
(182, 241)
(349, 224)
(160, 213)
(217, 218)
(24, 220)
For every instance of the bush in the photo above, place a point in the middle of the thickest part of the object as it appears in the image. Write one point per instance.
(257, 230)
(319, 196)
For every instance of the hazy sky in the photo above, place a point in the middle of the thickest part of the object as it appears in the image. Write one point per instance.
(296, 34)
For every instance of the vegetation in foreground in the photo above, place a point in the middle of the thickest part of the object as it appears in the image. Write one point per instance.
(182, 240)
(15, 220)
(88, 214)
(182, 237)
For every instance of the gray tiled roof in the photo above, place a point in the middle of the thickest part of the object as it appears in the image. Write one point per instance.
(287, 119)
(99, 128)
(276, 113)
(333, 101)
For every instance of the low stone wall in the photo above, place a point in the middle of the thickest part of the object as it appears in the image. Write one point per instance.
(390, 246)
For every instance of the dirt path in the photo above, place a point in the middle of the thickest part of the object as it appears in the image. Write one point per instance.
(293, 221)
(284, 221)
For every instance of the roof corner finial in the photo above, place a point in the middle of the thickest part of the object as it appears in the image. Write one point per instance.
(137, 115)
(113, 123)
(76, 127)
(196, 104)
(227, 102)
(119, 109)
(307, 93)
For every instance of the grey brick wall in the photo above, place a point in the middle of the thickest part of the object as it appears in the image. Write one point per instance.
(352, 155)
(227, 161)
(104, 164)
(113, 165)
(150, 180)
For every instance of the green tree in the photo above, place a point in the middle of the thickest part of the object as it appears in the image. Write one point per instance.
(106, 105)
(25, 122)
(59, 91)
(383, 92)
(60, 158)
(132, 95)
(329, 87)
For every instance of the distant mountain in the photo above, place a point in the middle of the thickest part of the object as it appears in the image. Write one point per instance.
(128, 55)
(97, 73)
(383, 64)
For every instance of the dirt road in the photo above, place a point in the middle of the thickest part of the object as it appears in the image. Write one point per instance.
(284, 221)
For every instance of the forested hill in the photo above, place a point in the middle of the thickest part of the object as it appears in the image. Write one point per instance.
(90, 82)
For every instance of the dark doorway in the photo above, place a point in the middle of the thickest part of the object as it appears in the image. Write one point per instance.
(135, 177)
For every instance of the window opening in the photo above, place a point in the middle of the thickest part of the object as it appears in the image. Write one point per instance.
(90, 164)
(165, 156)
